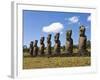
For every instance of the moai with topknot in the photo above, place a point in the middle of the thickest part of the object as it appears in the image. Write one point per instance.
(42, 46)
(82, 40)
(69, 42)
(49, 44)
(35, 48)
(57, 44)
(31, 48)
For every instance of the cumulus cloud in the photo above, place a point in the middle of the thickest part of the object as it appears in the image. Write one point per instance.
(73, 19)
(89, 18)
(54, 27)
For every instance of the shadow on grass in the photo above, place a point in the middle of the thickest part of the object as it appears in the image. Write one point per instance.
(88, 54)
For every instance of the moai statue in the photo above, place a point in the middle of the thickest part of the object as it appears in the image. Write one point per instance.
(49, 44)
(42, 46)
(31, 48)
(35, 48)
(57, 44)
(82, 40)
(69, 42)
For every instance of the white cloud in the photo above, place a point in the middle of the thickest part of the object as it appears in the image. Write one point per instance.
(89, 18)
(73, 19)
(54, 27)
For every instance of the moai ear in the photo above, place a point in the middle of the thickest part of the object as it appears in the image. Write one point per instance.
(83, 28)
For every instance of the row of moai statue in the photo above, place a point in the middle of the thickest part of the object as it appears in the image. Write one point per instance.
(34, 50)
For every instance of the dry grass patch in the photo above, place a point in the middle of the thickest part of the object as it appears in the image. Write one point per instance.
(54, 62)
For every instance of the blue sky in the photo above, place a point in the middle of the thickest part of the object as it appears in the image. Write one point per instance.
(41, 23)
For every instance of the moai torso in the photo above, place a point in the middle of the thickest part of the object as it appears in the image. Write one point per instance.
(42, 45)
(82, 41)
(49, 44)
(57, 44)
(69, 42)
(35, 49)
(31, 48)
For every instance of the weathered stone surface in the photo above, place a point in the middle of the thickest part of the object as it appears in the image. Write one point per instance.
(82, 41)
(69, 42)
(49, 44)
(57, 44)
(31, 48)
(35, 48)
(42, 46)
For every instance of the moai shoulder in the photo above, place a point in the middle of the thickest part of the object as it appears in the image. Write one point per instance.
(68, 34)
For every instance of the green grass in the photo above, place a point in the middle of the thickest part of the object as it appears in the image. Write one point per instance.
(54, 62)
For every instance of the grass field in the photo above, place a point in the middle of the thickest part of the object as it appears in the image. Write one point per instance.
(54, 62)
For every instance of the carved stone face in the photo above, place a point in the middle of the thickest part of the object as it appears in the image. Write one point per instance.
(57, 36)
(35, 43)
(69, 33)
(82, 30)
(49, 35)
(48, 38)
(31, 44)
(41, 40)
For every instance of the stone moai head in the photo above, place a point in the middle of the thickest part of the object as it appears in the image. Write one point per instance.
(42, 40)
(31, 44)
(56, 37)
(35, 42)
(82, 30)
(48, 38)
(69, 34)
